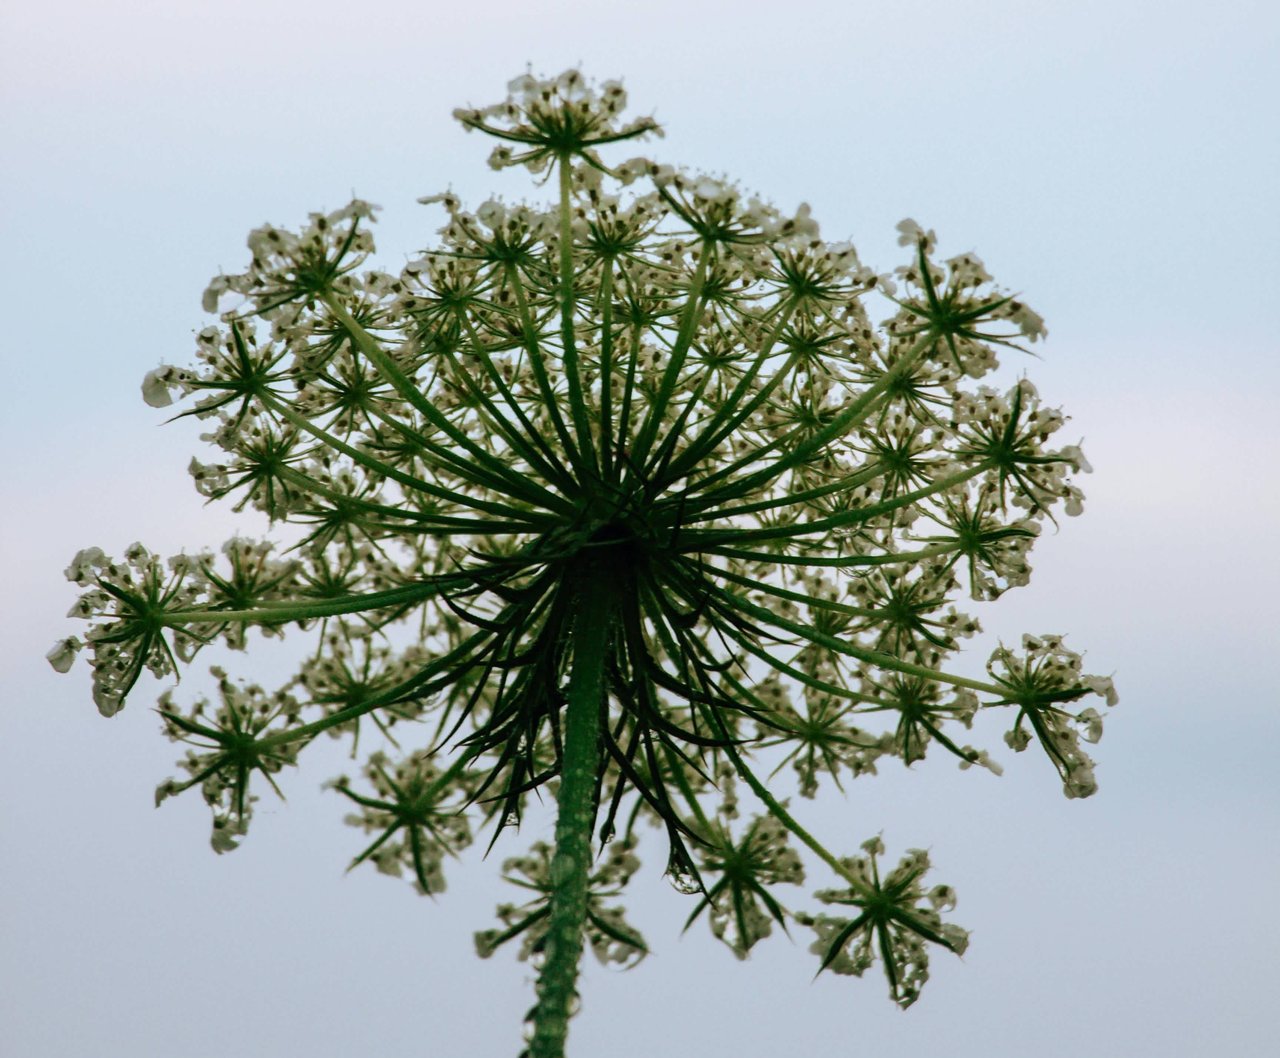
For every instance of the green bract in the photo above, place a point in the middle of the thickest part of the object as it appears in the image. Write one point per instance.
(651, 499)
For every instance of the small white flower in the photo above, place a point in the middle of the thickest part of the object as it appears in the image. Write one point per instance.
(967, 270)
(491, 213)
(218, 286)
(663, 175)
(1092, 721)
(982, 759)
(1076, 457)
(64, 653)
(572, 86)
(1030, 323)
(1080, 781)
(711, 189)
(356, 209)
(631, 170)
(106, 698)
(805, 224)
(448, 199)
(1102, 685)
(943, 898)
(525, 85)
(1018, 739)
(86, 563)
(155, 388)
(910, 234)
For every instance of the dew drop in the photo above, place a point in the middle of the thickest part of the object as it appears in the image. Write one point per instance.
(680, 878)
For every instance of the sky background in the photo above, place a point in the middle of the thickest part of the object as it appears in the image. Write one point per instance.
(1114, 161)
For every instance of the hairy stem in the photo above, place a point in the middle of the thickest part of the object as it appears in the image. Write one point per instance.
(571, 863)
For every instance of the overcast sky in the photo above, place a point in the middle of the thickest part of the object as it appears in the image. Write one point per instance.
(1115, 161)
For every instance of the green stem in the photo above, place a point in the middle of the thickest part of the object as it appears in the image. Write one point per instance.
(708, 539)
(732, 413)
(573, 375)
(787, 820)
(652, 421)
(482, 468)
(847, 648)
(571, 863)
(293, 610)
(889, 558)
(838, 427)
(537, 452)
(605, 308)
(537, 364)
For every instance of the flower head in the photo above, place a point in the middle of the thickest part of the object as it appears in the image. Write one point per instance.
(626, 496)
(894, 917)
(1041, 681)
(545, 118)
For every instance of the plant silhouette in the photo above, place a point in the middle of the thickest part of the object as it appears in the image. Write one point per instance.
(626, 500)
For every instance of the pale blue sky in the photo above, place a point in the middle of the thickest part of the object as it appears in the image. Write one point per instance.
(1115, 161)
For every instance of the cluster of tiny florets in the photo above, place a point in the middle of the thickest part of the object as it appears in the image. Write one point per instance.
(892, 919)
(611, 938)
(1040, 681)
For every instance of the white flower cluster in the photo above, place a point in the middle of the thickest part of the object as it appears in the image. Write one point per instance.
(415, 829)
(227, 750)
(287, 266)
(353, 668)
(896, 916)
(737, 875)
(1040, 680)
(660, 383)
(612, 938)
(132, 606)
(546, 115)
(1016, 424)
(820, 741)
(127, 593)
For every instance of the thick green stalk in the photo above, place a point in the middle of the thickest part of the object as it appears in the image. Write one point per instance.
(571, 863)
